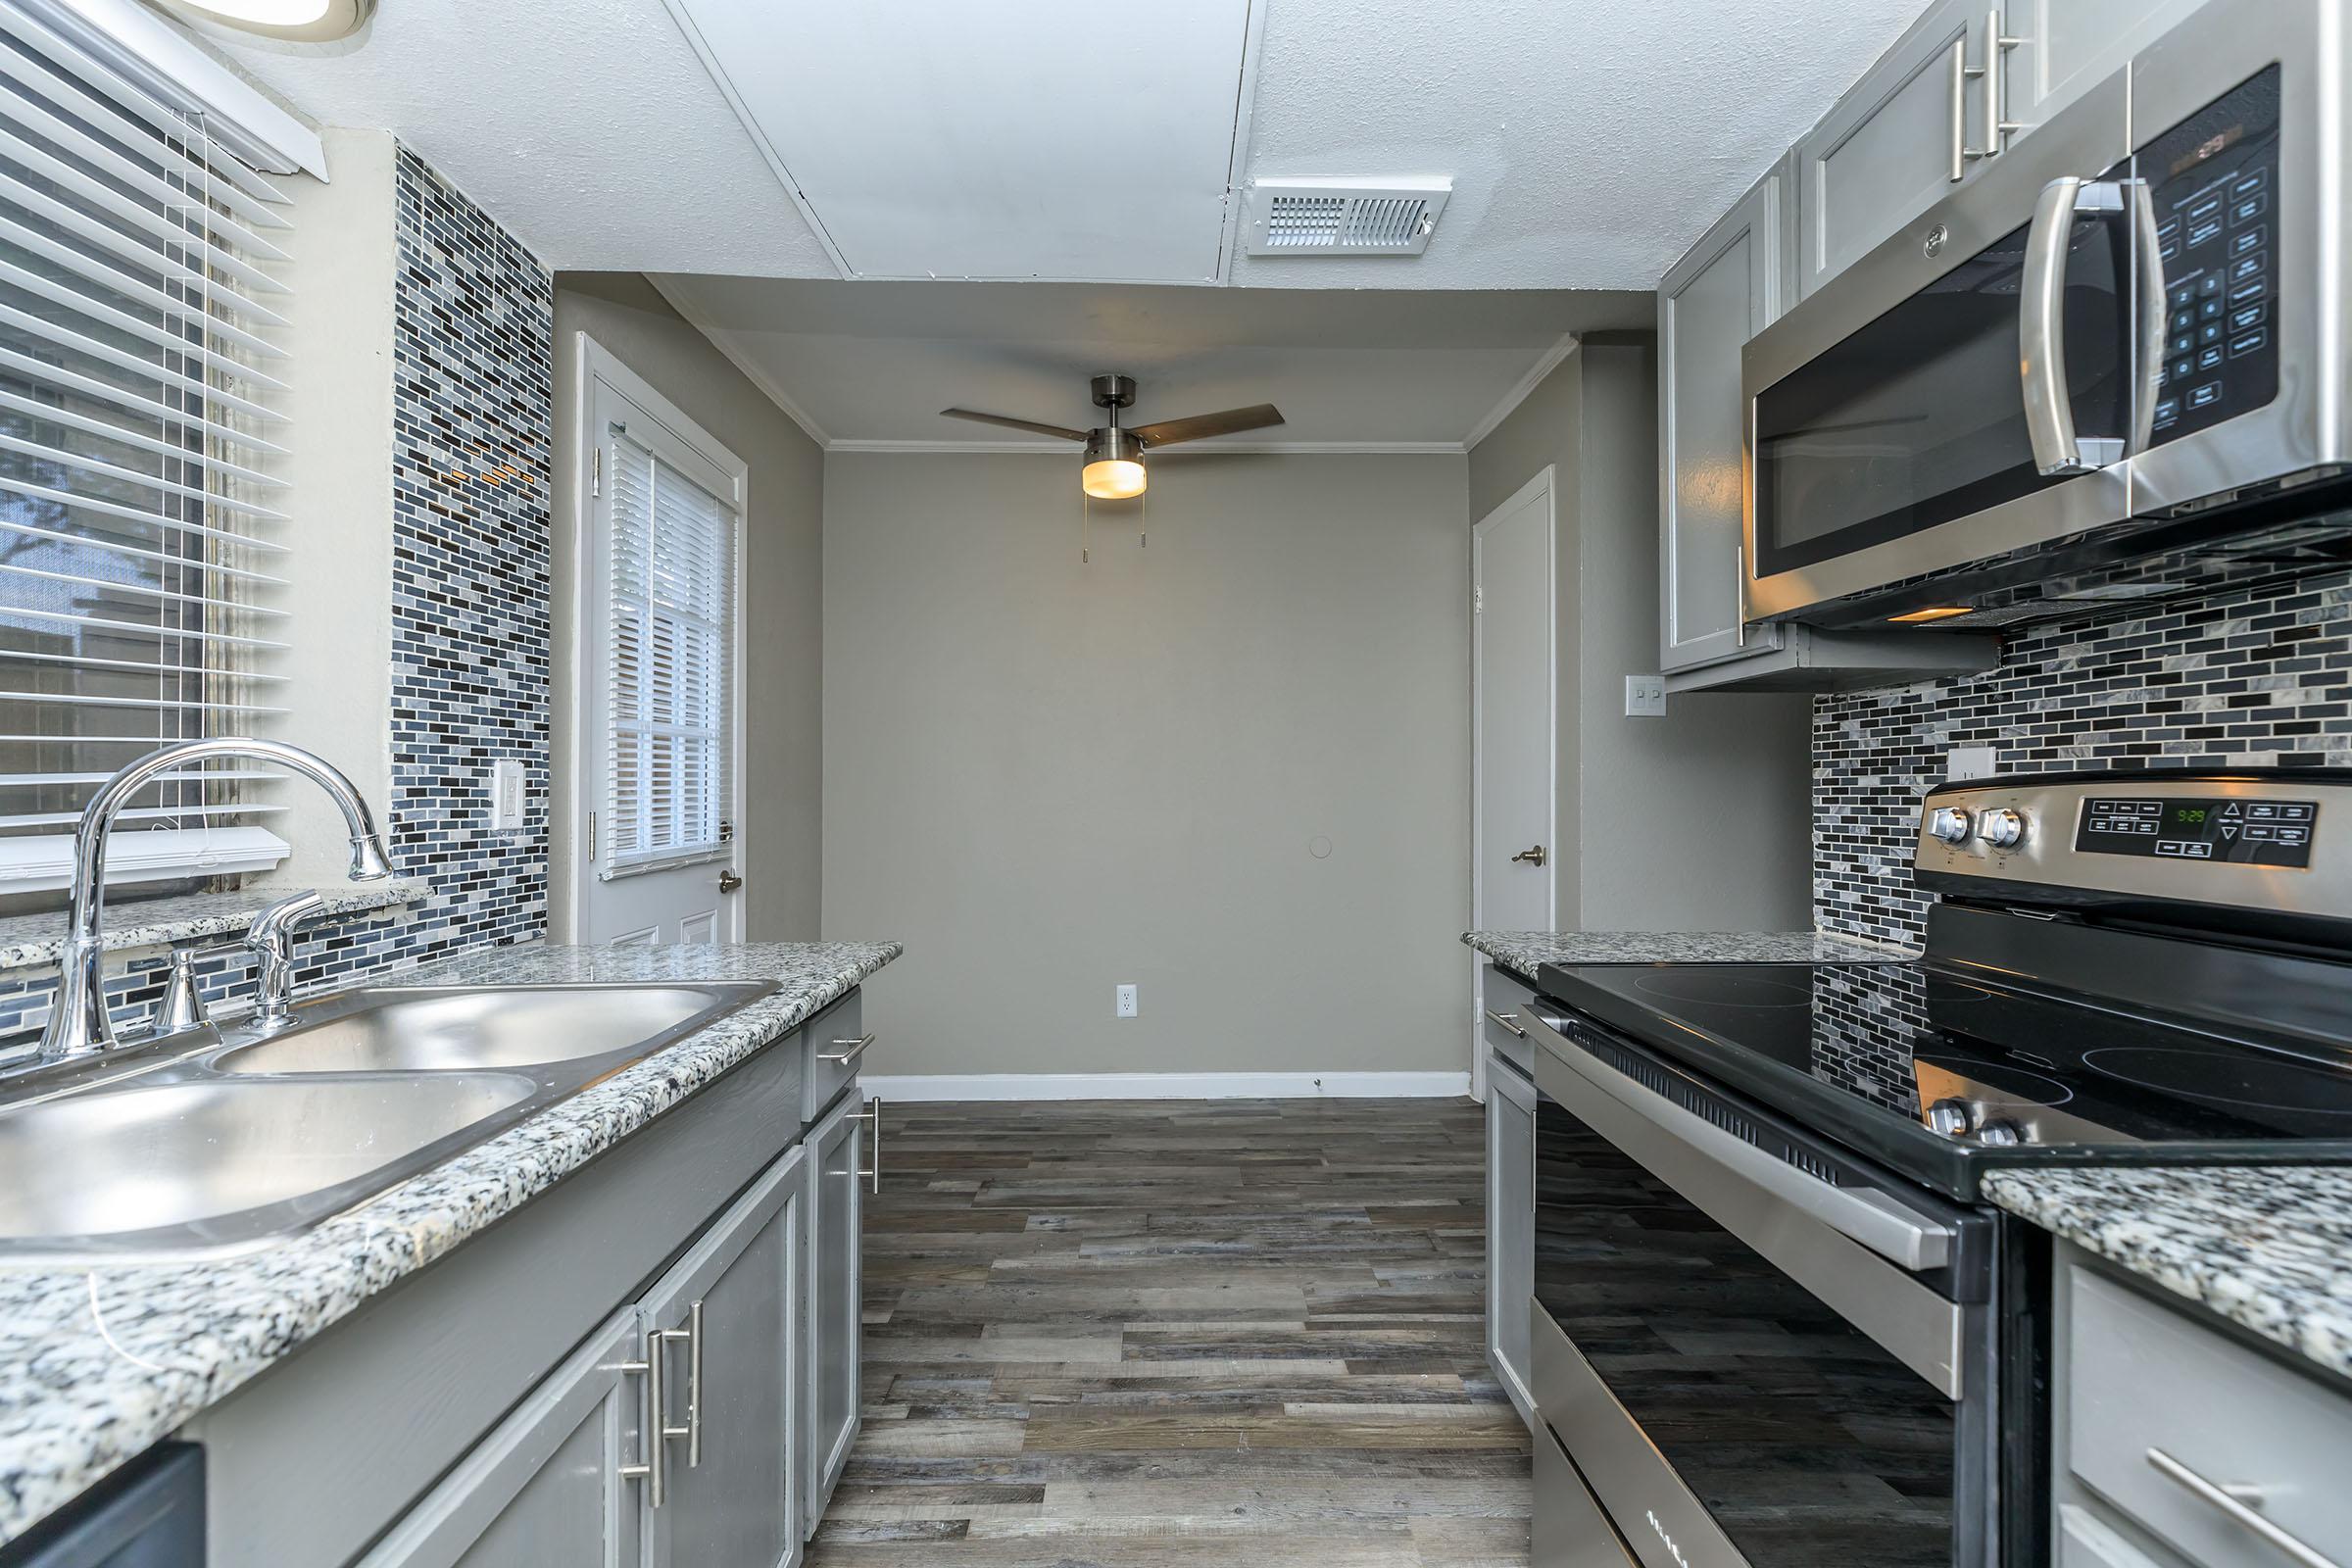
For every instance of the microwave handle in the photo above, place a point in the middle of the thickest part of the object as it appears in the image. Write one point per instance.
(2041, 330)
(2147, 264)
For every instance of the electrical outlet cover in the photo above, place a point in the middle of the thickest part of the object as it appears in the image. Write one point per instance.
(1971, 761)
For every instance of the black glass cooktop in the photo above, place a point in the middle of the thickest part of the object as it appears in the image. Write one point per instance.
(1944, 1074)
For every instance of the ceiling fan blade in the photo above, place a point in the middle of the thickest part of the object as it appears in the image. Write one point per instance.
(1012, 424)
(1225, 421)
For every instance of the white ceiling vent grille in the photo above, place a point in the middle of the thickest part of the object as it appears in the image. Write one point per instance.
(1344, 217)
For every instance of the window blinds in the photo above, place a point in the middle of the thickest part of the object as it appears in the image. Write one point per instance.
(669, 645)
(138, 530)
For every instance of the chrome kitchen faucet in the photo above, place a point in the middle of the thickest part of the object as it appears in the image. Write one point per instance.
(78, 1025)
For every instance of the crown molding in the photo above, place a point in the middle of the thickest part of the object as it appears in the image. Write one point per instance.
(1453, 449)
(740, 356)
(1534, 378)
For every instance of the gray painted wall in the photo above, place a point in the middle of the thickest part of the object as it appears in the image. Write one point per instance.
(1048, 779)
(782, 590)
(1697, 821)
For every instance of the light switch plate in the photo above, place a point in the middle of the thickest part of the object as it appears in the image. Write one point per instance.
(505, 797)
(1971, 761)
(1646, 696)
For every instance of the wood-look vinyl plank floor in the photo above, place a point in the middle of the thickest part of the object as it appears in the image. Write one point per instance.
(1238, 1333)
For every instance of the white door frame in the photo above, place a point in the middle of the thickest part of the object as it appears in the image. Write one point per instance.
(600, 366)
(1540, 485)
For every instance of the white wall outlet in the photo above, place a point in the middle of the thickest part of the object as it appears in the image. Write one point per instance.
(505, 797)
(1126, 1002)
(1646, 696)
(1971, 761)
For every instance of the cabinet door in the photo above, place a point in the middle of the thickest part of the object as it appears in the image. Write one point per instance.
(1888, 149)
(729, 1319)
(1714, 300)
(836, 1298)
(547, 1485)
(1510, 1230)
(2065, 47)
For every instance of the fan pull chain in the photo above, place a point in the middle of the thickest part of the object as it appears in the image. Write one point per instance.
(1086, 524)
(1144, 532)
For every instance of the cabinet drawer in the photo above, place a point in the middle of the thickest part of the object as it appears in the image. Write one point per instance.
(2156, 1400)
(836, 1043)
(1569, 1531)
(1501, 997)
(2085, 1540)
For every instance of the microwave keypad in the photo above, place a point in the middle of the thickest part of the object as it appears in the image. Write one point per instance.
(2215, 181)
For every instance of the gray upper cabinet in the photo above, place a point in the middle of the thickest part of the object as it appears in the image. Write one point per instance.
(1909, 130)
(548, 1486)
(2060, 48)
(1721, 294)
(837, 1288)
(727, 1320)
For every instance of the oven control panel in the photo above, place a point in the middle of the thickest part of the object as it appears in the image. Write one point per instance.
(2215, 181)
(2242, 832)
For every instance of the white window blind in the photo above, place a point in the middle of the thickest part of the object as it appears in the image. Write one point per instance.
(138, 429)
(668, 647)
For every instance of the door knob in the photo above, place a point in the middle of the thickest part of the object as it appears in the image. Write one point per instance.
(1534, 856)
(728, 881)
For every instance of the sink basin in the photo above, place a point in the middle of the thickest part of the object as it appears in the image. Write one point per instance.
(207, 1142)
(222, 1160)
(431, 1029)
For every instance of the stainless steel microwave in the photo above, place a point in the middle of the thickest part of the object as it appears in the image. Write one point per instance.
(2120, 355)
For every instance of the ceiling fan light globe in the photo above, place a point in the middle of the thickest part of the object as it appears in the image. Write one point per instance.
(298, 20)
(1113, 479)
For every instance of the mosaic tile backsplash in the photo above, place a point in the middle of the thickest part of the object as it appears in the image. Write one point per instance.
(472, 384)
(2252, 676)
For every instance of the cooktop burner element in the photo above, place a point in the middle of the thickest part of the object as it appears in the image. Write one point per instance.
(2238, 1079)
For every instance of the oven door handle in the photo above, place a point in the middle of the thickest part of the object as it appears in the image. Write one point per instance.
(1913, 1241)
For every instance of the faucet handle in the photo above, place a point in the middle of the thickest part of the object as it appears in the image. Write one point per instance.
(182, 1006)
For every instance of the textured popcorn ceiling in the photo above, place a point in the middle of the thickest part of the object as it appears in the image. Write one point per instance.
(1590, 140)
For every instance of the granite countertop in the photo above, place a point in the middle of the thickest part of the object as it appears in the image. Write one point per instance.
(98, 1363)
(26, 940)
(2268, 1247)
(1525, 952)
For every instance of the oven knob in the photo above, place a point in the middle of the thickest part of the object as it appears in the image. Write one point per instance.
(2000, 1134)
(1949, 823)
(1949, 1117)
(2004, 829)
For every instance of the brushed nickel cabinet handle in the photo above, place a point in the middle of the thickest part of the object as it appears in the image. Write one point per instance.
(1509, 1021)
(653, 1471)
(872, 1117)
(1956, 89)
(2232, 1502)
(841, 1057)
(692, 1430)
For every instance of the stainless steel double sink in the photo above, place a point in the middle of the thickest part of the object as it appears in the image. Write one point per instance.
(218, 1141)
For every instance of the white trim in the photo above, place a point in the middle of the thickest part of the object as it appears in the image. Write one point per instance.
(751, 127)
(1448, 449)
(181, 72)
(913, 1087)
(730, 345)
(1534, 378)
(600, 366)
(1237, 157)
(1543, 484)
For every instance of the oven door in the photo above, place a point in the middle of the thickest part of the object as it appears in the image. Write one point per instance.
(2237, 119)
(1750, 1352)
(1968, 389)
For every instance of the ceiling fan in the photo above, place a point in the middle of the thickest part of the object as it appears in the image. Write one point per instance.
(1114, 455)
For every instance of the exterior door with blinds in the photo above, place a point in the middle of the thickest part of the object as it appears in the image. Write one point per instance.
(659, 718)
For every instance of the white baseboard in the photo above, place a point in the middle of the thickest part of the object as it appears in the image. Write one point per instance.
(913, 1087)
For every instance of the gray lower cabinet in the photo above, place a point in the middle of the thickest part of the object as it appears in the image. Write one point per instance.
(671, 1441)
(548, 1487)
(726, 1323)
(831, 1402)
(1510, 1229)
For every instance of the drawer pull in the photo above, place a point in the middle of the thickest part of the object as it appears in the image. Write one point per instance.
(2233, 1503)
(1509, 1021)
(872, 1117)
(654, 1470)
(841, 1057)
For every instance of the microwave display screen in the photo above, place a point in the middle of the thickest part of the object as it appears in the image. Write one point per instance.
(2215, 180)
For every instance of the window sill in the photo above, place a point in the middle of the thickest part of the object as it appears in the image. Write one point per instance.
(29, 940)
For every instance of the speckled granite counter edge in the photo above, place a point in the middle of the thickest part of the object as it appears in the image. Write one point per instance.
(30, 940)
(98, 1364)
(1525, 952)
(2267, 1247)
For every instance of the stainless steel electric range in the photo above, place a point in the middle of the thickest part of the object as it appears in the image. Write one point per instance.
(1774, 1324)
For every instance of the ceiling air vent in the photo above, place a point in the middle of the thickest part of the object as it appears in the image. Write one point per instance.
(1344, 217)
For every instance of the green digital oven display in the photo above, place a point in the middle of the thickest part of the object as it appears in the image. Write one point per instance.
(2235, 830)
